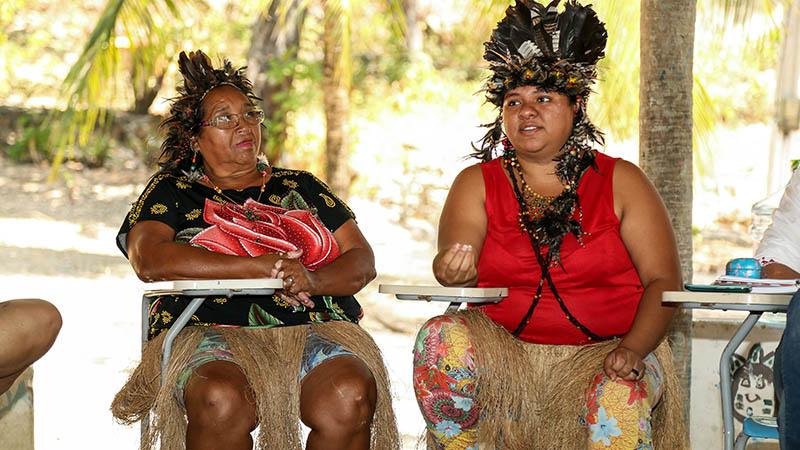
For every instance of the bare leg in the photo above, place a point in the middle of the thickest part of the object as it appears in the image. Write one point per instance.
(220, 408)
(337, 401)
(28, 328)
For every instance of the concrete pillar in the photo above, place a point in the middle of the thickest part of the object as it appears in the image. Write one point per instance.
(16, 414)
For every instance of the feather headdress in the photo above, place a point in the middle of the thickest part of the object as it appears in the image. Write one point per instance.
(535, 45)
(186, 113)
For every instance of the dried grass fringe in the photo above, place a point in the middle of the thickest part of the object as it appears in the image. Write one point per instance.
(265, 355)
(510, 386)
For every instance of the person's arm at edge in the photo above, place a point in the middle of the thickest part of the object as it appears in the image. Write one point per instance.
(648, 236)
(462, 230)
(782, 238)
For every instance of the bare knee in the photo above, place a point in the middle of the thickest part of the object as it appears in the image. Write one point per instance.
(217, 400)
(47, 319)
(341, 401)
(28, 327)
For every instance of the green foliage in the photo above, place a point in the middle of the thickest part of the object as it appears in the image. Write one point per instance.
(32, 144)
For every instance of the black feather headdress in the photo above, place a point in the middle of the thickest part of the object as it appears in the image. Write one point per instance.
(535, 45)
(186, 113)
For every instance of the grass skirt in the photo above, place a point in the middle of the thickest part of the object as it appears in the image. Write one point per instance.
(264, 355)
(532, 395)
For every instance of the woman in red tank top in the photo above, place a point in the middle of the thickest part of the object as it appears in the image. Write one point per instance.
(574, 355)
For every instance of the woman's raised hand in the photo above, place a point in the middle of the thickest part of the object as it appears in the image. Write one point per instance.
(457, 266)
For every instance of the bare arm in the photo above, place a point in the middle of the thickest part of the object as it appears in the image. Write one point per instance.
(154, 256)
(462, 230)
(779, 271)
(647, 234)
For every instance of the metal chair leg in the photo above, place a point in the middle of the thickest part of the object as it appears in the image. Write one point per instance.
(741, 441)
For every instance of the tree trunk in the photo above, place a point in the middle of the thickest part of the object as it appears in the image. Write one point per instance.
(276, 38)
(336, 92)
(665, 139)
(413, 31)
(146, 86)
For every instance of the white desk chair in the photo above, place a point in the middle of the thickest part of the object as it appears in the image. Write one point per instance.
(199, 290)
(755, 304)
(453, 295)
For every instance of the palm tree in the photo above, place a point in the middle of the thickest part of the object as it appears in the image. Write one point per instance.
(665, 138)
(276, 37)
(273, 47)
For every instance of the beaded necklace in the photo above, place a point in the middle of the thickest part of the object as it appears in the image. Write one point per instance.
(249, 213)
(529, 219)
(535, 203)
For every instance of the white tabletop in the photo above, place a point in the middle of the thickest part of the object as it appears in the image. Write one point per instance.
(189, 287)
(445, 294)
(728, 300)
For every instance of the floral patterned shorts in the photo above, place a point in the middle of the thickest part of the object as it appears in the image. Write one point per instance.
(214, 348)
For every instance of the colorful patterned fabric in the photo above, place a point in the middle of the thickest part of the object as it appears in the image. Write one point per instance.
(179, 203)
(444, 383)
(616, 413)
(214, 348)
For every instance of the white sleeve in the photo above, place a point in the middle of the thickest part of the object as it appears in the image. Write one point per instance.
(781, 242)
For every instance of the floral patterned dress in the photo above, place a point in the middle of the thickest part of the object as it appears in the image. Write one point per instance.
(179, 203)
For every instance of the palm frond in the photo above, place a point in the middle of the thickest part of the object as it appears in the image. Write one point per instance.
(338, 15)
(90, 87)
(704, 120)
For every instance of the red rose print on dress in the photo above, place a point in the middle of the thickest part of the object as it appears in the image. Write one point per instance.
(256, 229)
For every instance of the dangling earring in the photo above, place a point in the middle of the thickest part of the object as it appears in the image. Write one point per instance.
(507, 147)
(194, 161)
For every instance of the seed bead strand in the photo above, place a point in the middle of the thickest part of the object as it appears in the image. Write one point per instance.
(528, 215)
(249, 213)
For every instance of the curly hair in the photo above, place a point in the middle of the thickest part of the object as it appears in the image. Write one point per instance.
(186, 110)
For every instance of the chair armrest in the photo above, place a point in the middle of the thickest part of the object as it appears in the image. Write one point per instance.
(444, 294)
(245, 286)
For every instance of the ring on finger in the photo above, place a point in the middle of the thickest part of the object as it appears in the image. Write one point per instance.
(290, 279)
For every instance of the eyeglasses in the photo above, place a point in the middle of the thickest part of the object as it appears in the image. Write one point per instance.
(228, 121)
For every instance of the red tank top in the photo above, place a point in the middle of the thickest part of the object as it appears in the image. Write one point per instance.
(598, 282)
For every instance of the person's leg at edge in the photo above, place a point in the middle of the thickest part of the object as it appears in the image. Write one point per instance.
(444, 383)
(617, 413)
(337, 402)
(220, 408)
(787, 383)
(28, 328)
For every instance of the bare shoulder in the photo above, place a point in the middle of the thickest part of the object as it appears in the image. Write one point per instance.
(632, 188)
(470, 175)
(630, 180)
(628, 172)
(469, 182)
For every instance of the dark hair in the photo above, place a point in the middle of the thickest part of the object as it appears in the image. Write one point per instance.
(186, 111)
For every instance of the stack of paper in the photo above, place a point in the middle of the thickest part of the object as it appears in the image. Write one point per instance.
(762, 285)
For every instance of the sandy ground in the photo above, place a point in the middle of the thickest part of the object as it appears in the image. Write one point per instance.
(57, 243)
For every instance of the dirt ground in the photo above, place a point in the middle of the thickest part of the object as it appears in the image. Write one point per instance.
(57, 242)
